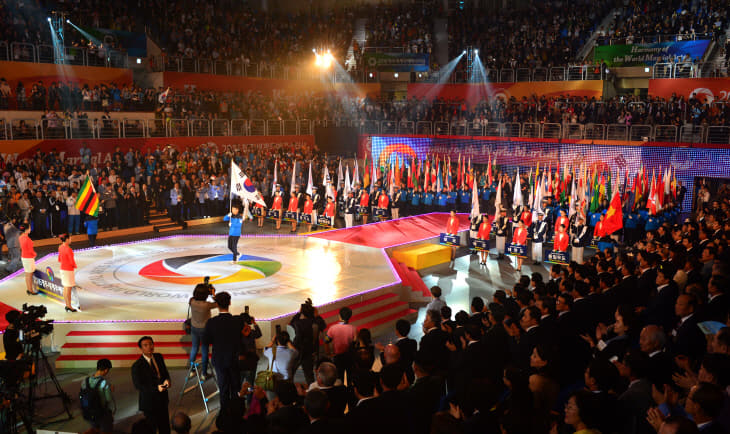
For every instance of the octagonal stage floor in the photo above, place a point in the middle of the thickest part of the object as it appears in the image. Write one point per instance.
(153, 279)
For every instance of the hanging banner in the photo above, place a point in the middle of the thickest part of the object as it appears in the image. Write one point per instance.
(649, 54)
(706, 90)
(397, 62)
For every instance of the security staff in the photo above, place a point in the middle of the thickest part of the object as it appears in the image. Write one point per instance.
(578, 240)
(502, 230)
(539, 231)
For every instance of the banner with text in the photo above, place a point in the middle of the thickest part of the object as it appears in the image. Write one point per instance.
(649, 54)
(473, 93)
(707, 90)
(397, 62)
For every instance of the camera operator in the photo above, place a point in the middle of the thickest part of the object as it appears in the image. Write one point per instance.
(307, 325)
(248, 359)
(12, 238)
(11, 337)
(199, 315)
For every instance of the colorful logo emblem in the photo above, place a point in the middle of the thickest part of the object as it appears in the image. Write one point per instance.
(49, 273)
(189, 270)
(248, 185)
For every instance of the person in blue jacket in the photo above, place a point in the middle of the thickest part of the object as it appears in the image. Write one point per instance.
(92, 228)
(416, 199)
(442, 200)
(235, 221)
(464, 199)
(451, 197)
(428, 199)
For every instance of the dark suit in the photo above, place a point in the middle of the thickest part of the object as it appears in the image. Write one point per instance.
(585, 316)
(408, 348)
(338, 397)
(717, 308)
(689, 339)
(553, 286)
(223, 332)
(285, 420)
(324, 426)
(433, 349)
(152, 402)
(633, 405)
(423, 399)
(646, 287)
(528, 341)
(660, 310)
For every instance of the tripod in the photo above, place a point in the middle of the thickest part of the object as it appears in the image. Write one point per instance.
(195, 368)
(39, 360)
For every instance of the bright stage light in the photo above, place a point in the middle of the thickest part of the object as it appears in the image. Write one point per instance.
(49, 19)
(68, 21)
(420, 75)
(139, 61)
(476, 52)
(463, 52)
(395, 75)
(323, 61)
(370, 75)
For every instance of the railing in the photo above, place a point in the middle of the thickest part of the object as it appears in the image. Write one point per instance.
(4, 51)
(81, 56)
(17, 129)
(628, 40)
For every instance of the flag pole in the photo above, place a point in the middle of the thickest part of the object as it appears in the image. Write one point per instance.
(230, 190)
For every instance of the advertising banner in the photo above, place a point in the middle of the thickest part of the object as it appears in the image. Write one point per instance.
(707, 90)
(397, 62)
(29, 73)
(473, 93)
(649, 54)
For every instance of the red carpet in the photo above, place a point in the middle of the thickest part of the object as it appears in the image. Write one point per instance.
(394, 232)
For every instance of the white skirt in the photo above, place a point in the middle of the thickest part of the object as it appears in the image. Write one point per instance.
(28, 264)
(68, 279)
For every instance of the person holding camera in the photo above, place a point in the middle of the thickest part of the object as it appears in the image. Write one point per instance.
(12, 238)
(282, 355)
(307, 326)
(224, 334)
(199, 315)
(248, 359)
(11, 337)
(152, 380)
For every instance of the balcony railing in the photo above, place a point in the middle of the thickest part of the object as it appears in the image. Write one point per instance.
(18, 129)
(81, 56)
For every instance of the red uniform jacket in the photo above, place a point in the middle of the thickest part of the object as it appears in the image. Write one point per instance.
(561, 221)
(66, 258)
(364, 199)
(598, 230)
(484, 229)
(383, 201)
(561, 242)
(329, 210)
(308, 206)
(452, 226)
(520, 236)
(26, 247)
(526, 218)
(277, 202)
(293, 204)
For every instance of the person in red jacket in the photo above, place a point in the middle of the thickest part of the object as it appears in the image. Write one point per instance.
(329, 210)
(27, 257)
(520, 238)
(562, 220)
(308, 210)
(561, 240)
(261, 213)
(383, 201)
(68, 267)
(294, 207)
(364, 204)
(526, 216)
(452, 228)
(277, 206)
(483, 234)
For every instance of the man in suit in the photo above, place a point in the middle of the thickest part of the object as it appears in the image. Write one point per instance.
(407, 348)
(223, 332)
(502, 231)
(661, 307)
(432, 347)
(151, 379)
(652, 342)
(422, 398)
(553, 285)
(532, 336)
(288, 416)
(579, 240)
(646, 284)
(687, 337)
(719, 302)
(705, 404)
(583, 309)
(637, 399)
(316, 404)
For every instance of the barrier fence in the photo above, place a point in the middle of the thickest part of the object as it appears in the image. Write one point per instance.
(20, 129)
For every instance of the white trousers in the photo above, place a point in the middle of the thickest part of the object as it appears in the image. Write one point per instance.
(537, 252)
(500, 245)
(394, 213)
(349, 219)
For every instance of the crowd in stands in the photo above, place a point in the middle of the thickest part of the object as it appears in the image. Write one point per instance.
(644, 21)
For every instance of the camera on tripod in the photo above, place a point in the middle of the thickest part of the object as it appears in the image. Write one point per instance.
(30, 324)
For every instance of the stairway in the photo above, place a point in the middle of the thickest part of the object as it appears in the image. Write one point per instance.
(161, 222)
(419, 292)
(377, 314)
(358, 34)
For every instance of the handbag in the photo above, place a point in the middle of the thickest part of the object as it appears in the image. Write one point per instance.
(267, 379)
(188, 325)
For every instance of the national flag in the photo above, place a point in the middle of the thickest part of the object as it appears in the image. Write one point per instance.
(273, 184)
(474, 201)
(355, 175)
(293, 177)
(517, 195)
(162, 99)
(347, 187)
(651, 202)
(459, 175)
(373, 179)
(339, 174)
(439, 181)
(242, 186)
(87, 200)
(310, 182)
(573, 199)
(490, 179)
(498, 199)
(366, 175)
(325, 174)
(426, 176)
(614, 219)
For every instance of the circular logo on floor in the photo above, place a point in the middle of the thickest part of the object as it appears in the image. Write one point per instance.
(152, 270)
(192, 269)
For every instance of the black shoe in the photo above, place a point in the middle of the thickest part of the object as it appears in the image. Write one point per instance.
(537, 263)
(30, 292)
(70, 309)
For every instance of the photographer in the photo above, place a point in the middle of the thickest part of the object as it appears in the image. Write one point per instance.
(199, 316)
(11, 337)
(248, 359)
(307, 326)
(282, 355)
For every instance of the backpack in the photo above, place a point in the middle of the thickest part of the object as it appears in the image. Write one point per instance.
(90, 401)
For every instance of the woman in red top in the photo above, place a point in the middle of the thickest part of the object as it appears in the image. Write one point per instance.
(383, 201)
(277, 206)
(452, 228)
(561, 240)
(598, 231)
(27, 257)
(364, 204)
(561, 220)
(329, 210)
(68, 265)
(520, 237)
(308, 210)
(483, 234)
(294, 207)
(261, 215)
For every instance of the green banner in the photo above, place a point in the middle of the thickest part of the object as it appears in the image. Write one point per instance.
(649, 54)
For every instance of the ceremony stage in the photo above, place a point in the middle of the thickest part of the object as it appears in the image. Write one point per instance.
(142, 288)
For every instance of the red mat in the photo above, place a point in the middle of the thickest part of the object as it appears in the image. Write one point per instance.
(394, 232)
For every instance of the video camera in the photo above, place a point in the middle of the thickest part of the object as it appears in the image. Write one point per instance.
(29, 322)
